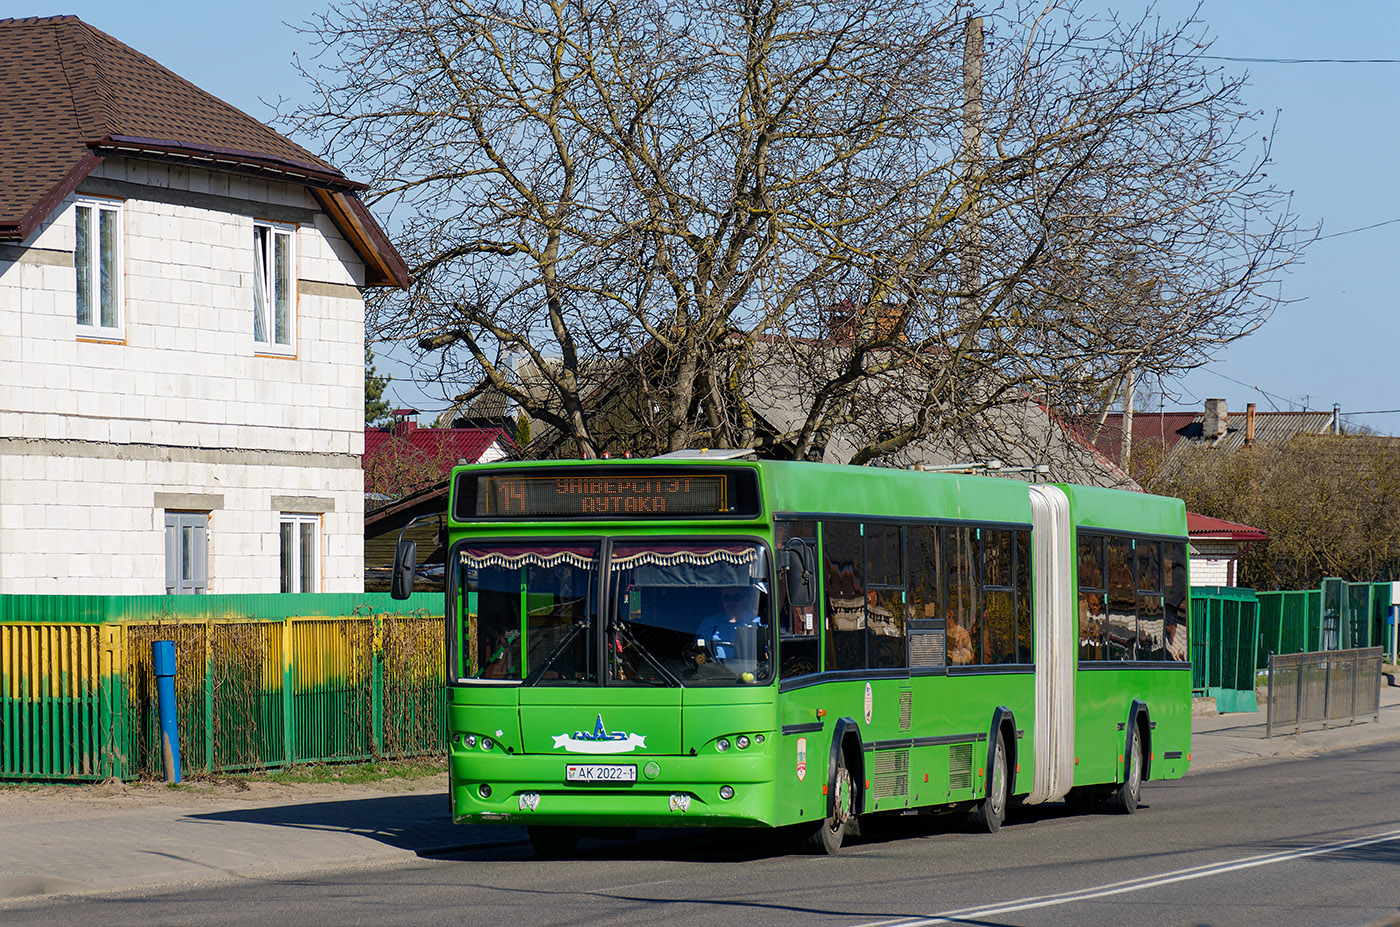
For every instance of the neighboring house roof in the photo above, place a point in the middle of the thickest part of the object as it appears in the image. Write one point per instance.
(467, 445)
(71, 95)
(1168, 429)
(1204, 527)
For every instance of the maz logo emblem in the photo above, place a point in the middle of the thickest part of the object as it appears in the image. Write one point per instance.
(599, 740)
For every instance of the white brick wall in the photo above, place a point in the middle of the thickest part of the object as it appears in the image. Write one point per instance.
(186, 376)
(1214, 563)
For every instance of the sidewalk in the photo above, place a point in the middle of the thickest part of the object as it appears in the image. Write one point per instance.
(113, 837)
(1219, 741)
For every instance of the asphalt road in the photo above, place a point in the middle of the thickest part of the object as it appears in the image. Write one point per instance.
(1305, 842)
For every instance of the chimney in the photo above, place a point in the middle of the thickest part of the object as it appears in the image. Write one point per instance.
(1217, 420)
(1336, 418)
(404, 422)
(1249, 425)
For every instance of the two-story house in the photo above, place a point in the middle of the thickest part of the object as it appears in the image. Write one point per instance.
(181, 334)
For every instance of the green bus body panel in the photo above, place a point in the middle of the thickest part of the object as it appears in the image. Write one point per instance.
(1117, 510)
(927, 738)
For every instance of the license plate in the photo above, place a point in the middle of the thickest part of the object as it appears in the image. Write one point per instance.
(598, 772)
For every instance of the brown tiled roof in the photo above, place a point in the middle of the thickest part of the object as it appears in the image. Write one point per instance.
(71, 95)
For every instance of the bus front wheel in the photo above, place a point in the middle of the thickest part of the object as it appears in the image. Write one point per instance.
(991, 811)
(826, 836)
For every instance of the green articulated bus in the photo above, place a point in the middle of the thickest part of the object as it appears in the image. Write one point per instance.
(733, 643)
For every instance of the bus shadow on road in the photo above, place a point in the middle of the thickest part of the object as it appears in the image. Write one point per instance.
(417, 822)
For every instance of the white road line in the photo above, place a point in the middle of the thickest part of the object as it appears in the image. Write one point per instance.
(1136, 885)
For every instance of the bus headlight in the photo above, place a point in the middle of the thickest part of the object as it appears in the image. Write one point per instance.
(723, 745)
(469, 740)
(726, 792)
(486, 743)
(742, 742)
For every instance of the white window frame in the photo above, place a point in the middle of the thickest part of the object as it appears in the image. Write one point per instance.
(88, 217)
(271, 334)
(305, 565)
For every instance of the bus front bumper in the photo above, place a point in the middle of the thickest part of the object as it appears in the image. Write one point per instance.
(669, 791)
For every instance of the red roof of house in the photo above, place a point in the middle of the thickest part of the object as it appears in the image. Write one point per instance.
(1201, 526)
(449, 445)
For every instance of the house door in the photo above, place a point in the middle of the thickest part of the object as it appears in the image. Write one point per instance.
(186, 552)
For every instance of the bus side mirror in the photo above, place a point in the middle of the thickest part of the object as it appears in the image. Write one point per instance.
(405, 565)
(799, 573)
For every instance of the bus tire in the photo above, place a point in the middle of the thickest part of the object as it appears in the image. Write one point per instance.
(554, 842)
(991, 810)
(827, 835)
(1124, 798)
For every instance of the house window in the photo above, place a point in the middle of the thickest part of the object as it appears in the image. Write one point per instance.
(274, 287)
(186, 552)
(97, 259)
(301, 553)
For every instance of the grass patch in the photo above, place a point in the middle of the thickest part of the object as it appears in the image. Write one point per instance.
(357, 773)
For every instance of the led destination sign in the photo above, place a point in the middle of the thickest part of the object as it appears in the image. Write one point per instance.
(588, 493)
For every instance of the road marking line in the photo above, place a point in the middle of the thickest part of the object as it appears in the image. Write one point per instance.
(1136, 885)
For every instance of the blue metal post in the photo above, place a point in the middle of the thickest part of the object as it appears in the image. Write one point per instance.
(163, 661)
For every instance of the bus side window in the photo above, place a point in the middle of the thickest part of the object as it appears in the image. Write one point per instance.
(1093, 595)
(999, 595)
(964, 585)
(1175, 618)
(1147, 559)
(844, 583)
(884, 597)
(924, 609)
(1025, 643)
(798, 633)
(1122, 600)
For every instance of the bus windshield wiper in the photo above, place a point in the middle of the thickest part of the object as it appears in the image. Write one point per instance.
(625, 635)
(558, 650)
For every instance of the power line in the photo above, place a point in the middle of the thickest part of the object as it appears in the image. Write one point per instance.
(1242, 59)
(1298, 60)
(1364, 228)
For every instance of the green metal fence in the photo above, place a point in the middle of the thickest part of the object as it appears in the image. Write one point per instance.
(1339, 616)
(1224, 640)
(261, 681)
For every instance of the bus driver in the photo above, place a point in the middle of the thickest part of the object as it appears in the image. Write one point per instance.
(729, 632)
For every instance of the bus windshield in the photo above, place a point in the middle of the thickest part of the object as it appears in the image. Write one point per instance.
(677, 613)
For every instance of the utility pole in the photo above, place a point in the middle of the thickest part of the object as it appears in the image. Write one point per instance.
(1130, 387)
(972, 165)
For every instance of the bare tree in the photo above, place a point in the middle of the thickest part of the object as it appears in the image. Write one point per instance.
(713, 201)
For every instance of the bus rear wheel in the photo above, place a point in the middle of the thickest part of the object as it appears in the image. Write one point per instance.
(554, 842)
(827, 836)
(1124, 799)
(991, 811)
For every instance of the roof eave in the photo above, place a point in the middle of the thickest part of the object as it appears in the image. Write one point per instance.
(226, 159)
(21, 228)
(383, 264)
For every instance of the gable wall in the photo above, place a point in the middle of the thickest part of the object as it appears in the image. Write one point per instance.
(93, 434)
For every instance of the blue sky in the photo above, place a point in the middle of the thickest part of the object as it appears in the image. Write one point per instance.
(1334, 148)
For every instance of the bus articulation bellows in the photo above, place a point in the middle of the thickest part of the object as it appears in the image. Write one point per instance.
(676, 642)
